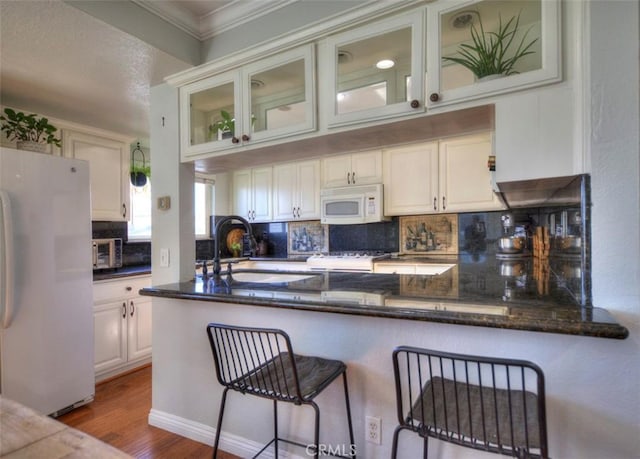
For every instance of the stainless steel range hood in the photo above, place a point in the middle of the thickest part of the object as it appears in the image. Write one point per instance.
(554, 191)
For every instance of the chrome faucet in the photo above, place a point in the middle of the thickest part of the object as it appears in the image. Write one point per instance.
(252, 242)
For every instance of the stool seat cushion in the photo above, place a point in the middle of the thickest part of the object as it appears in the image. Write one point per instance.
(447, 406)
(275, 377)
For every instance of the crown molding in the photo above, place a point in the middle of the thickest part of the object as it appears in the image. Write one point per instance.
(216, 21)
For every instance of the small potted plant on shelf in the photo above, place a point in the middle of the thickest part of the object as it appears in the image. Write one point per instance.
(28, 131)
(226, 126)
(492, 53)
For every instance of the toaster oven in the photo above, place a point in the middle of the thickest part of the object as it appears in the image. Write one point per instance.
(107, 253)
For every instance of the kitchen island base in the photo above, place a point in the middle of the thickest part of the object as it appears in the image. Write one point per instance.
(186, 393)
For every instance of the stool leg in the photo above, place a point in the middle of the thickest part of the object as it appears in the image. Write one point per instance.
(219, 426)
(316, 438)
(275, 427)
(346, 398)
(425, 454)
(394, 445)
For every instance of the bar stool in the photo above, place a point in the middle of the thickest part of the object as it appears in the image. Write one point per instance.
(490, 404)
(261, 362)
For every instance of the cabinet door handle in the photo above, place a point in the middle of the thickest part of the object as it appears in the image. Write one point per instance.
(349, 178)
(444, 205)
(124, 310)
(124, 210)
(293, 211)
(435, 203)
(298, 212)
(133, 308)
(353, 178)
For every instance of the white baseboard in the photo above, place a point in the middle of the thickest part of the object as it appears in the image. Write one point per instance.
(203, 433)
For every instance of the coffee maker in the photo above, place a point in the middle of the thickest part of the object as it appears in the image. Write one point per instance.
(514, 237)
(566, 229)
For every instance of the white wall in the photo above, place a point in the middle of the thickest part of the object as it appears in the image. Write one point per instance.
(593, 397)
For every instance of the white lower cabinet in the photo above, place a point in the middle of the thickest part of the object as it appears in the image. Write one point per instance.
(122, 325)
(449, 175)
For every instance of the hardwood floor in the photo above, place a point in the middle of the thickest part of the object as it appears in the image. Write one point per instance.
(118, 416)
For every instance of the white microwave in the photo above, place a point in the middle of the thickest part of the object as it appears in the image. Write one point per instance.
(352, 205)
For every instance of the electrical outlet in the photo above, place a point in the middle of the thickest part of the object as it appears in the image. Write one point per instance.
(164, 258)
(372, 429)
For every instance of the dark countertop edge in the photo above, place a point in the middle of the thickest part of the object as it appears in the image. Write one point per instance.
(118, 273)
(566, 327)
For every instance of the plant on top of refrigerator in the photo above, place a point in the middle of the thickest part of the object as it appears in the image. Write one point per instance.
(28, 128)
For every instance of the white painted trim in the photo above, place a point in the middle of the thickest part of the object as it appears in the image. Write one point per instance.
(236, 13)
(204, 433)
(314, 31)
(216, 21)
(582, 79)
(175, 16)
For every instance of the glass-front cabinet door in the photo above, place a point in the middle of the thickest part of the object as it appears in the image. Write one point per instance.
(270, 98)
(208, 113)
(279, 95)
(376, 71)
(479, 48)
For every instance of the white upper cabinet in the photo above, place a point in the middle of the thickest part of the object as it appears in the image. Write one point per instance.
(252, 194)
(355, 169)
(465, 179)
(458, 29)
(109, 169)
(450, 175)
(411, 179)
(296, 191)
(375, 71)
(266, 99)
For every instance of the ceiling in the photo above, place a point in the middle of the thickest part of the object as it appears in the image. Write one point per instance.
(63, 63)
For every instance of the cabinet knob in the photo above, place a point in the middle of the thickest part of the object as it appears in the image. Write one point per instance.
(434, 97)
(415, 103)
(234, 139)
(128, 288)
(245, 138)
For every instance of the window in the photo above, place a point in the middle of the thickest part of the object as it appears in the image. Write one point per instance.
(203, 199)
(139, 225)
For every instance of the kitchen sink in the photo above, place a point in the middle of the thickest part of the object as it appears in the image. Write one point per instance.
(269, 277)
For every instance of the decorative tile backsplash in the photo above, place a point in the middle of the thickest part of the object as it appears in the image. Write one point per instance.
(308, 237)
(429, 234)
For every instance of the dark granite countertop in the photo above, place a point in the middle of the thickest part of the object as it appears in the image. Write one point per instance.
(476, 291)
(125, 271)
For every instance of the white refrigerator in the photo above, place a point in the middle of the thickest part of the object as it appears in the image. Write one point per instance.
(46, 289)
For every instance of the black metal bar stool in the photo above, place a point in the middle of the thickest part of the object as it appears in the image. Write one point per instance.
(260, 361)
(490, 404)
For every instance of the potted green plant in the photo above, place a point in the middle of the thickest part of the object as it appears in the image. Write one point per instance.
(28, 131)
(492, 53)
(139, 174)
(226, 126)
